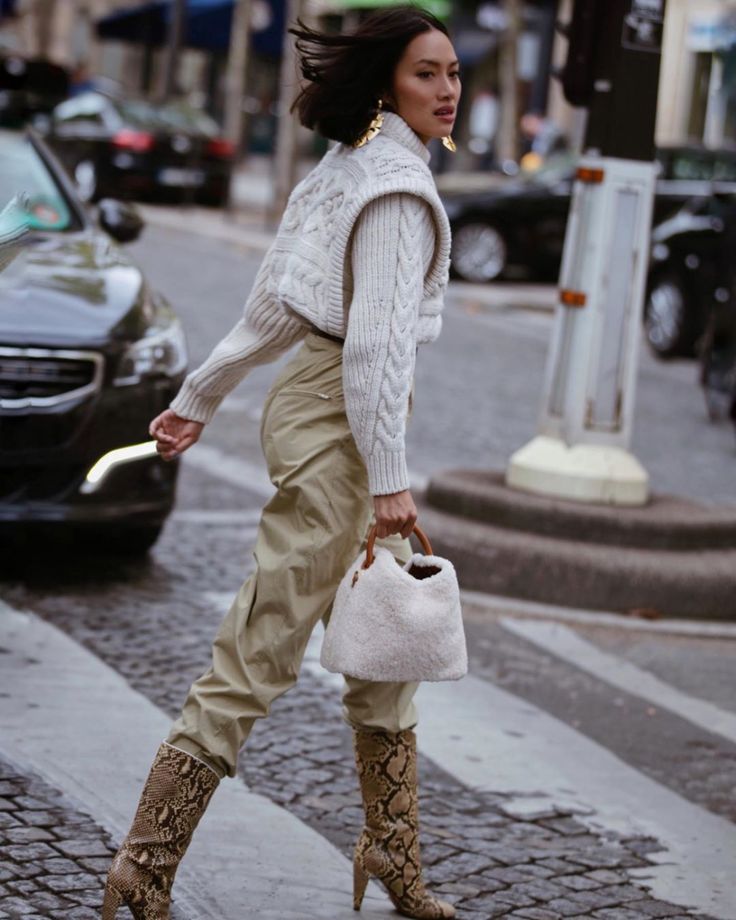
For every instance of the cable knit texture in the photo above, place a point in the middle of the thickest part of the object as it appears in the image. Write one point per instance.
(362, 252)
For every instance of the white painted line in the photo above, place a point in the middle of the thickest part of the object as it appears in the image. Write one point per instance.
(249, 406)
(491, 740)
(247, 519)
(564, 643)
(497, 604)
(233, 470)
(250, 476)
(71, 719)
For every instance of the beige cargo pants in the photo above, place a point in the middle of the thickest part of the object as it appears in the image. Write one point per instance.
(309, 533)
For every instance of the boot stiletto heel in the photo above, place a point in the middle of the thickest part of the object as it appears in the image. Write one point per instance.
(113, 900)
(360, 882)
(388, 848)
(173, 800)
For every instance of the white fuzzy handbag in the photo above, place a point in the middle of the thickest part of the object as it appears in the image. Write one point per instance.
(397, 623)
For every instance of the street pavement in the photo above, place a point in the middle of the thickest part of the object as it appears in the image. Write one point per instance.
(585, 768)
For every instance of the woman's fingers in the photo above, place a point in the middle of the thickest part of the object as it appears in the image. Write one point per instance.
(395, 514)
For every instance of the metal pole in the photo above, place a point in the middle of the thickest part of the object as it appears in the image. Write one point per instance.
(582, 449)
(285, 165)
(174, 42)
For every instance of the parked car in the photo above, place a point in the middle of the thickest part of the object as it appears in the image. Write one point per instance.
(688, 274)
(29, 87)
(132, 149)
(504, 228)
(89, 354)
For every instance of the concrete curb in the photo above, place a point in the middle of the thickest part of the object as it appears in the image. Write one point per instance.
(566, 572)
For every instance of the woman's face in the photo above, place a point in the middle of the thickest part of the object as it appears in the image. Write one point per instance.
(426, 86)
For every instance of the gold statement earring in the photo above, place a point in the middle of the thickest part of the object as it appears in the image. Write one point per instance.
(373, 128)
(449, 143)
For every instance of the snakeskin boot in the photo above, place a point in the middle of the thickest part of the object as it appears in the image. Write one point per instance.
(388, 848)
(173, 800)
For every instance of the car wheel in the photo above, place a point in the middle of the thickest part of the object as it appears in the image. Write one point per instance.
(667, 320)
(479, 251)
(85, 178)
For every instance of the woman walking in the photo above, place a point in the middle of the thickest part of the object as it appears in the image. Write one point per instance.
(357, 272)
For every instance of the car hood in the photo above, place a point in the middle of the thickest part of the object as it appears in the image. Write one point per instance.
(68, 288)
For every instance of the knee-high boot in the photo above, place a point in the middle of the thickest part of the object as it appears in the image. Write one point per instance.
(388, 848)
(173, 800)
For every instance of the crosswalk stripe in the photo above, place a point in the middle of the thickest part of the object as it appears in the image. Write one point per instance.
(495, 604)
(246, 518)
(233, 470)
(566, 644)
(251, 476)
(491, 740)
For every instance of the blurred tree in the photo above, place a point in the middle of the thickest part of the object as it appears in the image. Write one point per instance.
(508, 133)
(285, 173)
(237, 66)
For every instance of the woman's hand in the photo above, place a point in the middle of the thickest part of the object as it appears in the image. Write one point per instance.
(395, 513)
(173, 434)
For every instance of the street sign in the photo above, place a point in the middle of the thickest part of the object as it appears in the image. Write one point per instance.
(643, 26)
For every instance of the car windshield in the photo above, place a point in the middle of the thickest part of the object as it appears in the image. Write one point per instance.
(138, 113)
(182, 117)
(25, 179)
(703, 165)
(172, 117)
(558, 167)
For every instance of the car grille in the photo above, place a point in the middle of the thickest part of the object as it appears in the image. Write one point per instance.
(31, 483)
(39, 377)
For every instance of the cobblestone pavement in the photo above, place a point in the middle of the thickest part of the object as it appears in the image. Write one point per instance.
(54, 859)
(154, 621)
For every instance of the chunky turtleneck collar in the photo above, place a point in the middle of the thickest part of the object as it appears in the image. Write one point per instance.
(395, 127)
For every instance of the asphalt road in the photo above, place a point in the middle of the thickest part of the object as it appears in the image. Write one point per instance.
(583, 769)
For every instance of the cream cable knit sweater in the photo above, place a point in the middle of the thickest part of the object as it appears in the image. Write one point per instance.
(362, 252)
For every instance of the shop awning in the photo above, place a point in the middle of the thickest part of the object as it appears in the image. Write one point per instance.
(207, 27)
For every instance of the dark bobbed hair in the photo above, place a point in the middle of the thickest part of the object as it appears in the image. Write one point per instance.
(346, 74)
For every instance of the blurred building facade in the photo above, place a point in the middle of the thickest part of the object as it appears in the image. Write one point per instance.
(697, 87)
(698, 82)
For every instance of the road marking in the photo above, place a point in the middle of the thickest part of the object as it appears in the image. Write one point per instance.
(234, 470)
(251, 476)
(68, 717)
(497, 604)
(564, 643)
(247, 518)
(491, 740)
(249, 406)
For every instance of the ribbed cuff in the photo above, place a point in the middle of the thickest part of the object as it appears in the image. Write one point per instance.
(190, 405)
(387, 473)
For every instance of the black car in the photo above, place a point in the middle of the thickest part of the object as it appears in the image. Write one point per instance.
(505, 228)
(29, 87)
(131, 149)
(89, 354)
(691, 274)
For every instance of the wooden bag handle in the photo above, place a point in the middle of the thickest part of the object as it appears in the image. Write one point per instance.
(423, 539)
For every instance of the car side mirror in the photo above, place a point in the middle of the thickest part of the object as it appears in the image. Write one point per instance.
(120, 219)
(43, 123)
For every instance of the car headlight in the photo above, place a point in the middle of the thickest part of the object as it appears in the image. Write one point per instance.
(162, 351)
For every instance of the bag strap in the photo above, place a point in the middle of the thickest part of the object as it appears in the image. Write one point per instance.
(423, 539)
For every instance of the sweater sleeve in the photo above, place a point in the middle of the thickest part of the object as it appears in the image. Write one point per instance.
(264, 332)
(392, 244)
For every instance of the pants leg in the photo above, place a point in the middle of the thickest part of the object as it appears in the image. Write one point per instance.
(310, 532)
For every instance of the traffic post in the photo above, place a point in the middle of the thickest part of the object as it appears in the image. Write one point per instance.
(582, 449)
